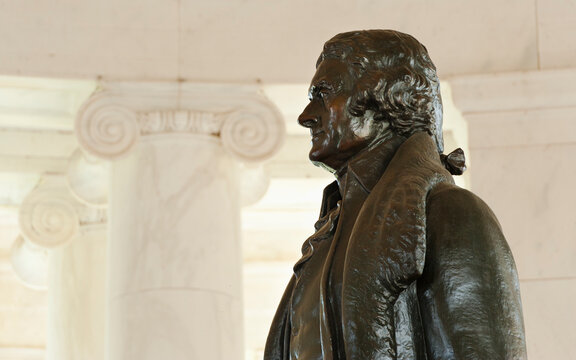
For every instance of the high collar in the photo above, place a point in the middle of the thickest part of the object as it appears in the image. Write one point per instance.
(367, 167)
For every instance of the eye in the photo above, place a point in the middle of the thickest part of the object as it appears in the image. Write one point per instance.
(323, 94)
(320, 92)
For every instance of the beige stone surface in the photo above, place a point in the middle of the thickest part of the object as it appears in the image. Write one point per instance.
(555, 26)
(77, 297)
(23, 311)
(50, 144)
(531, 190)
(90, 38)
(174, 253)
(549, 318)
(22, 354)
(9, 229)
(521, 128)
(264, 284)
(246, 41)
(514, 91)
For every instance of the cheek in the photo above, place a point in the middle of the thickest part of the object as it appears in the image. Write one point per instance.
(324, 142)
(360, 128)
(338, 123)
(351, 131)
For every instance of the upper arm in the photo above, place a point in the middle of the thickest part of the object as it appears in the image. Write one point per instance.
(468, 293)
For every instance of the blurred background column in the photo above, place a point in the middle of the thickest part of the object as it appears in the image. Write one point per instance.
(63, 248)
(174, 258)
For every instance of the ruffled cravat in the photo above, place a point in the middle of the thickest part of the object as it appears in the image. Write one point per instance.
(325, 228)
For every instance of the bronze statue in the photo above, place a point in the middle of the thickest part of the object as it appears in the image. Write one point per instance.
(403, 263)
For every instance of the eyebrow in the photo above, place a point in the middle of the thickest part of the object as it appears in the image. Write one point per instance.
(322, 85)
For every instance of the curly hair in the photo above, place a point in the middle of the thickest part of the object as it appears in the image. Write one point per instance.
(395, 79)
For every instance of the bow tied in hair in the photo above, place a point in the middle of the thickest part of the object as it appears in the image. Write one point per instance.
(455, 162)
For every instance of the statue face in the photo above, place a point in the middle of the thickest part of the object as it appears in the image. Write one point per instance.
(336, 135)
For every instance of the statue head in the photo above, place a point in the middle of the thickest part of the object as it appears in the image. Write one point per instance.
(370, 86)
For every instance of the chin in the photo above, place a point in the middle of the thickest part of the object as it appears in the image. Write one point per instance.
(321, 160)
(316, 155)
(323, 166)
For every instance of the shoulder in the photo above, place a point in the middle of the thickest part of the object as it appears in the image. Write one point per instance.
(456, 201)
(456, 219)
(452, 206)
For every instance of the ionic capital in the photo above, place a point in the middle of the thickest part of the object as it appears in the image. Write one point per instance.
(113, 120)
(48, 217)
(87, 178)
(51, 217)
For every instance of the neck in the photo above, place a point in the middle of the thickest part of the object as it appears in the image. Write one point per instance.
(370, 162)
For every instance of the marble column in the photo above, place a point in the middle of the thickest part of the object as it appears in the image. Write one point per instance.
(71, 239)
(174, 265)
(76, 296)
(522, 140)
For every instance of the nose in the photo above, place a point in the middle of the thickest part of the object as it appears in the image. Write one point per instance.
(308, 118)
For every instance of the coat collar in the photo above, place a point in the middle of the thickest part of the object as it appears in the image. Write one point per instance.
(364, 170)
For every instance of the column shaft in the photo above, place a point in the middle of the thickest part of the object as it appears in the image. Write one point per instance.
(76, 320)
(175, 257)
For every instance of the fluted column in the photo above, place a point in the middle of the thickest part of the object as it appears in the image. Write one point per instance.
(174, 254)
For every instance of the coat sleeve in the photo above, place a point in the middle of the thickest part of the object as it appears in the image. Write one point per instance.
(278, 341)
(469, 294)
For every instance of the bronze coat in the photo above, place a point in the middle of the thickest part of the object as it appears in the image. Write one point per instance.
(427, 273)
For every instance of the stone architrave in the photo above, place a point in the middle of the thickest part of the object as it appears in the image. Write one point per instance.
(174, 254)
